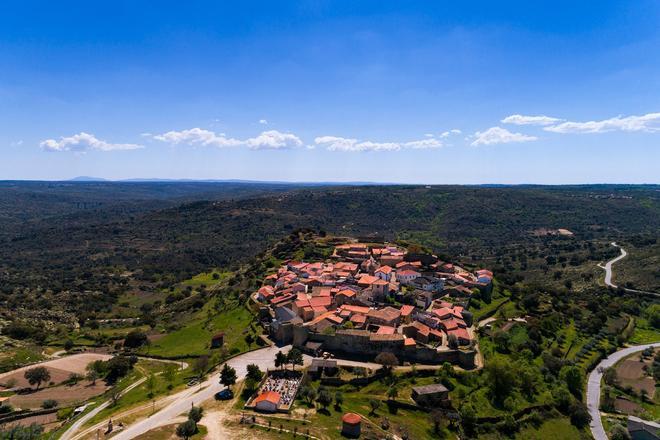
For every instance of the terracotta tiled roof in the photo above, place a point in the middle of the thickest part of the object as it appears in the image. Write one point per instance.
(386, 330)
(269, 396)
(351, 418)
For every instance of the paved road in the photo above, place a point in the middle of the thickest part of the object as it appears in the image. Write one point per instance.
(69, 433)
(593, 386)
(608, 273)
(196, 395)
(608, 266)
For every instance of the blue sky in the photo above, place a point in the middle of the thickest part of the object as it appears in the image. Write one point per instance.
(428, 92)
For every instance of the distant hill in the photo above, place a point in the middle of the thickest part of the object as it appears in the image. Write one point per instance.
(87, 179)
(180, 229)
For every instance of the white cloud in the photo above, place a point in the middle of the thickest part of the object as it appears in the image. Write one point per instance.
(274, 140)
(271, 139)
(83, 142)
(263, 121)
(423, 144)
(446, 134)
(198, 136)
(649, 122)
(499, 135)
(530, 120)
(336, 143)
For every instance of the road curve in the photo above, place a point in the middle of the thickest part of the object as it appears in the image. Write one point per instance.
(69, 433)
(196, 395)
(608, 266)
(593, 386)
(608, 274)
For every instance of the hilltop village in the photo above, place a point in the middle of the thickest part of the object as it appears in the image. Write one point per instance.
(372, 298)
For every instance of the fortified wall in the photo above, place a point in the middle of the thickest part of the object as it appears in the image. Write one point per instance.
(369, 345)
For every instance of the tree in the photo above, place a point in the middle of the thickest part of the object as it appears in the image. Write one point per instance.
(374, 404)
(294, 357)
(573, 378)
(308, 394)
(437, 418)
(653, 315)
(201, 365)
(68, 345)
(74, 378)
(49, 403)
(37, 375)
(387, 360)
(151, 385)
(610, 377)
(324, 398)
(32, 432)
(501, 378)
(468, 417)
(339, 399)
(195, 414)
(115, 395)
(562, 398)
(619, 432)
(169, 374)
(392, 392)
(227, 375)
(118, 367)
(579, 414)
(135, 339)
(186, 429)
(254, 372)
(280, 360)
(92, 375)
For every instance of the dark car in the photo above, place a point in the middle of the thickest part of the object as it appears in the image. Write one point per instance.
(225, 394)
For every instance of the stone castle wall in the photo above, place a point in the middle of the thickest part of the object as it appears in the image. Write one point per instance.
(357, 342)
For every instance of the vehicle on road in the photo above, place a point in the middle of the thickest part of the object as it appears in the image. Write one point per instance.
(225, 394)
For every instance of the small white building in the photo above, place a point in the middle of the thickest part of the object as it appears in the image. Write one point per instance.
(267, 401)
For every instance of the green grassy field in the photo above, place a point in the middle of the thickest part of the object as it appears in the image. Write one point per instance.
(195, 337)
(644, 333)
(139, 394)
(11, 358)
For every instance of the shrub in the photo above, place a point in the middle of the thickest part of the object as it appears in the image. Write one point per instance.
(49, 403)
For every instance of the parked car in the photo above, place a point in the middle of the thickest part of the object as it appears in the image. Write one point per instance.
(193, 382)
(225, 394)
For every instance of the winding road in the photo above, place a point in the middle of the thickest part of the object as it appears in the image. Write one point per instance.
(69, 433)
(593, 386)
(608, 273)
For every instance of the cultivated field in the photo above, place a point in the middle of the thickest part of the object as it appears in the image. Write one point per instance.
(59, 369)
(631, 373)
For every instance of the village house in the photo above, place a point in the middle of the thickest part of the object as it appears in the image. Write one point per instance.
(431, 396)
(267, 401)
(407, 275)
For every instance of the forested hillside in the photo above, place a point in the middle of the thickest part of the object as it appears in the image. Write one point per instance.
(157, 235)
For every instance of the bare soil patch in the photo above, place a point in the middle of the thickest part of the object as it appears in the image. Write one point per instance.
(59, 369)
(63, 394)
(626, 406)
(631, 373)
(47, 421)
